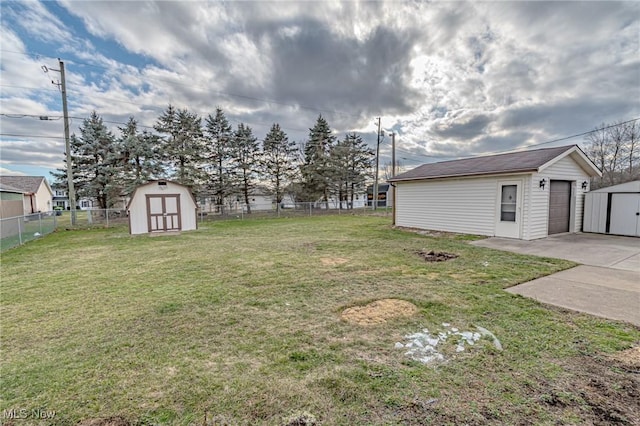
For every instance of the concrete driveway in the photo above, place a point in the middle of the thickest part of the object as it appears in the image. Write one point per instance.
(607, 284)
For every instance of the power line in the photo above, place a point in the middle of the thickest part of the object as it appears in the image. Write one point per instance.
(236, 95)
(29, 87)
(584, 133)
(14, 135)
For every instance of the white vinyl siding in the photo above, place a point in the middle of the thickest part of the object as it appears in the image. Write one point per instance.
(564, 169)
(138, 223)
(453, 205)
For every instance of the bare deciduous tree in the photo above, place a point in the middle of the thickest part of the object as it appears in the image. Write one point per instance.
(614, 149)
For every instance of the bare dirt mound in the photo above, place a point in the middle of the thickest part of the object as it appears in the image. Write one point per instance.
(379, 312)
(436, 256)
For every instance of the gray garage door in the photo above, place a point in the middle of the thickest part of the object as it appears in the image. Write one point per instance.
(559, 206)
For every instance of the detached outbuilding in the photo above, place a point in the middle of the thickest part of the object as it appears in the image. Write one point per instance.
(525, 195)
(614, 210)
(161, 206)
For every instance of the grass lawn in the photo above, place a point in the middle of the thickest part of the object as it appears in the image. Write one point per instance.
(239, 323)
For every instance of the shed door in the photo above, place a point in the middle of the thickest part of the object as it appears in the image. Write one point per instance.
(625, 214)
(163, 212)
(559, 206)
(509, 209)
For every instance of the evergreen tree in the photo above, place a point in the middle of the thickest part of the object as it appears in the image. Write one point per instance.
(139, 156)
(219, 154)
(278, 156)
(350, 163)
(95, 163)
(245, 160)
(182, 145)
(316, 168)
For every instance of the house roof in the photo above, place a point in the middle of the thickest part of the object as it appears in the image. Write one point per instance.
(514, 162)
(25, 184)
(633, 186)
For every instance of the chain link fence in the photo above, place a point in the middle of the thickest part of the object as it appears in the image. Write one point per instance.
(244, 212)
(15, 231)
(18, 230)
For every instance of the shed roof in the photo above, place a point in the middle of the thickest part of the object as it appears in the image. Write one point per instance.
(633, 186)
(28, 184)
(187, 187)
(513, 162)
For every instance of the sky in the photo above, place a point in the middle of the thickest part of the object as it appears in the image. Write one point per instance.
(450, 79)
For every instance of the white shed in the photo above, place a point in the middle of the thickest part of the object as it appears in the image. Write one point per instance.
(613, 210)
(161, 206)
(525, 195)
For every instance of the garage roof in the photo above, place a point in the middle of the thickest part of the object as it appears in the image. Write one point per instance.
(633, 186)
(513, 162)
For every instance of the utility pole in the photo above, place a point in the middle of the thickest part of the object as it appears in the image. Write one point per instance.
(63, 88)
(393, 173)
(375, 185)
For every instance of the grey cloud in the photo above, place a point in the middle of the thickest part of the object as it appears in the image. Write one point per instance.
(466, 130)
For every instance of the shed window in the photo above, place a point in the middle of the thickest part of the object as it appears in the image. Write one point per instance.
(508, 203)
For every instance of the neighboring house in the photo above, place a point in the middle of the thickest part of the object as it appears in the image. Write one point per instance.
(161, 206)
(385, 195)
(11, 202)
(61, 200)
(37, 195)
(525, 195)
(613, 210)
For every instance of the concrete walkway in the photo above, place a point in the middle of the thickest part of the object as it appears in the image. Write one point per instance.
(606, 285)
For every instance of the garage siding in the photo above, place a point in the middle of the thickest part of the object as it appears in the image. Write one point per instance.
(595, 212)
(563, 169)
(454, 205)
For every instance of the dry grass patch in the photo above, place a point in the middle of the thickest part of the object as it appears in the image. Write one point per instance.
(629, 357)
(333, 261)
(379, 312)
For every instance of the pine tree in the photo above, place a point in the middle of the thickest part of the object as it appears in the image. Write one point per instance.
(139, 156)
(278, 155)
(219, 154)
(315, 168)
(95, 163)
(245, 161)
(182, 145)
(350, 162)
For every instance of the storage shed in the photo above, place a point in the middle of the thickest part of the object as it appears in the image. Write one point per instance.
(613, 210)
(161, 206)
(525, 195)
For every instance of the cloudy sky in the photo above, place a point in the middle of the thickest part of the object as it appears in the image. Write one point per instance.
(452, 79)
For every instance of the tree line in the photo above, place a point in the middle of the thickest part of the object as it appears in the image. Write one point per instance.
(615, 149)
(215, 160)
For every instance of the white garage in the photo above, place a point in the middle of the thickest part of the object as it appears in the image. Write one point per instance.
(524, 195)
(614, 210)
(162, 206)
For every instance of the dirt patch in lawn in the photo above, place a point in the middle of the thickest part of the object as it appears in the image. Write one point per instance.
(608, 392)
(333, 261)
(436, 256)
(379, 312)
(629, 357)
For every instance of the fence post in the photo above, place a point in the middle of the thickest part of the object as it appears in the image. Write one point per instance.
(40, 221)
(20, 219)
(55, 220)
(107, 218)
